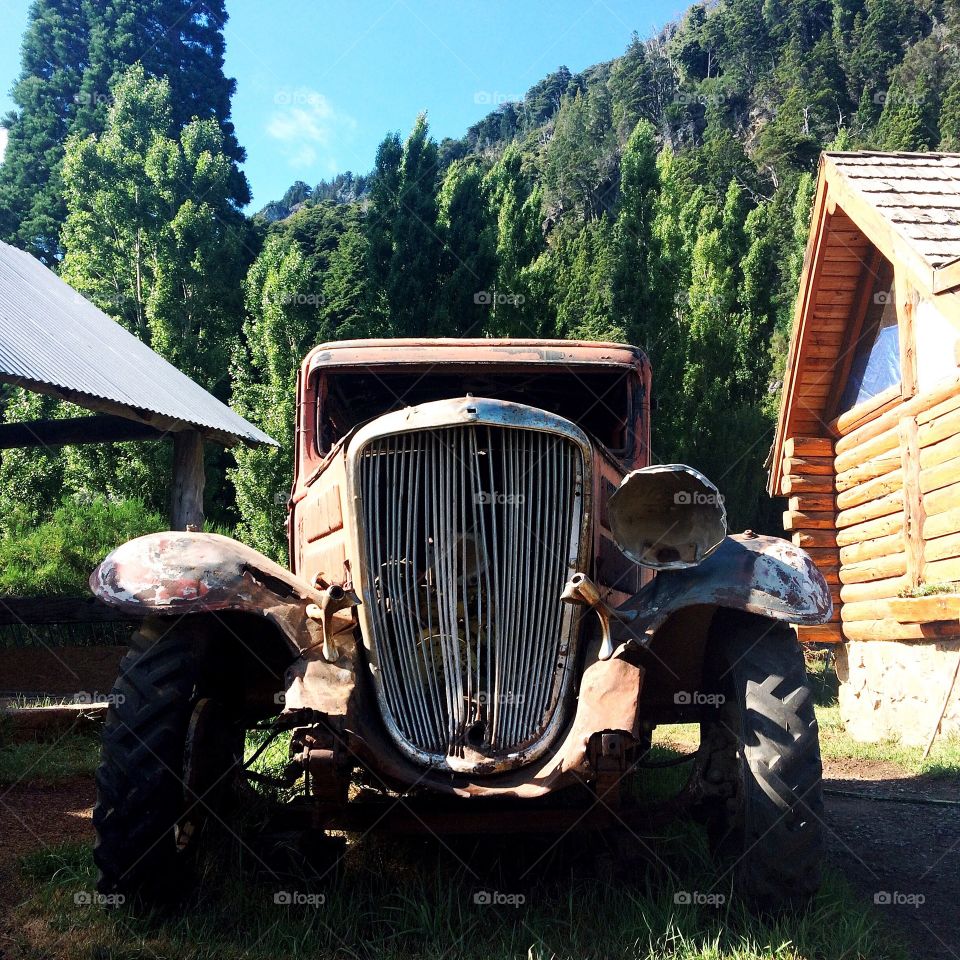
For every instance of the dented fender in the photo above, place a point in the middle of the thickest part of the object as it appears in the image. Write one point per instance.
(763, 575)
(176, 573)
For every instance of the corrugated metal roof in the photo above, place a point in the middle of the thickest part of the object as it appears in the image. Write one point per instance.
(917, 193)
(50, 335)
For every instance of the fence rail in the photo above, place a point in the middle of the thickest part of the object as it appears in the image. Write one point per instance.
(61, 646)
(61, 621)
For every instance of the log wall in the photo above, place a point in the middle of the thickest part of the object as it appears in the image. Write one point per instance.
(807, 481)
(879, 512)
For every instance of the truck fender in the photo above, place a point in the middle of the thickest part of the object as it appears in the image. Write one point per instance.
(176, 573)
(763, 575)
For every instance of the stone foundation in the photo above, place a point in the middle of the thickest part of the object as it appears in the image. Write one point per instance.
(892, 689)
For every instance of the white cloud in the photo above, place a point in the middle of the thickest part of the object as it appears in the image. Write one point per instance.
(3, 142)
(308, 128)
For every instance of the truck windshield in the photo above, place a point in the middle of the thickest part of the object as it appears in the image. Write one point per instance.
(599, 401)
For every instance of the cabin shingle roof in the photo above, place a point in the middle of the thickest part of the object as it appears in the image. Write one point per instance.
(917, 193)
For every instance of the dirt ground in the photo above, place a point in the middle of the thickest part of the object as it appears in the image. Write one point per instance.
(897, 849)
(904, 850)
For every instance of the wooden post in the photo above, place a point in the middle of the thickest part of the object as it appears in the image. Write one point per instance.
(186, 496)
(913, 509)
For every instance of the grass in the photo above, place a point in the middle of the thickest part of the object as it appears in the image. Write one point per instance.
(417, 899)
(56, 556)
(836, 744)
(44, 763)
(929, 590)
(395, 901)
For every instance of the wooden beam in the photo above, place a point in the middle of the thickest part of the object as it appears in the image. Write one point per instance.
(865, 284)
(913, 510)
(186, 500)
(58, 433)
(41, 610)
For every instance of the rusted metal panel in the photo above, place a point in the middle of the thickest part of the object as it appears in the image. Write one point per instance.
(178, 573)
(763, 575)
(405, 352)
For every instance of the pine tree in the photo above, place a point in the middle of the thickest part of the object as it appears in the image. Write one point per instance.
(467, 276)
(47, 94)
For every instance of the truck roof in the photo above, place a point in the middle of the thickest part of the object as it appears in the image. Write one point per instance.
(408, 351)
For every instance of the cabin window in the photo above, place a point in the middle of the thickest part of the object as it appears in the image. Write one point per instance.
(876, 359)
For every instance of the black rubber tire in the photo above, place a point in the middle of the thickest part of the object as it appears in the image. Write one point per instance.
(140, 789)
(761, 770)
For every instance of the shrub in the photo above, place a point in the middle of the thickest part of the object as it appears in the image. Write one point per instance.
(57, 555)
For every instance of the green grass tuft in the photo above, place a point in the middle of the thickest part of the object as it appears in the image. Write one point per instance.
(43, 763)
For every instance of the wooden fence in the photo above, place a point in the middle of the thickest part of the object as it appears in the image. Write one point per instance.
(62, 646)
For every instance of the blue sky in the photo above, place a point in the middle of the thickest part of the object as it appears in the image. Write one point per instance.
(319, 83)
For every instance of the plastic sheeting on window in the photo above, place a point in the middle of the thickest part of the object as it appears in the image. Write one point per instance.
(876, 365)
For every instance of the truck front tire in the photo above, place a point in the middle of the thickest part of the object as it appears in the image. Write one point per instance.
(143, 819)
(761, 762)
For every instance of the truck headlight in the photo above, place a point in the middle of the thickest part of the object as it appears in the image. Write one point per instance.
(668, 517)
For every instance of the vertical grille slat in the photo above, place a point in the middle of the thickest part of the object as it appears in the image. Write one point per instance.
(469, 536)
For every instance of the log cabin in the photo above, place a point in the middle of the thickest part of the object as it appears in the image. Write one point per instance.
(867, 446)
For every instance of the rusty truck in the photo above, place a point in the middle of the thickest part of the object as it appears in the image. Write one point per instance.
(494, 595)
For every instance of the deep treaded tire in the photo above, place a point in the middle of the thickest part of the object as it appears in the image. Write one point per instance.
(140, 793)
(763, 752)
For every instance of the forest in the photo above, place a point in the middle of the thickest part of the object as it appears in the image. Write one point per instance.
(660, 198)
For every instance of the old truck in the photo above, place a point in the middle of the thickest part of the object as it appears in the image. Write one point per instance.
(493, 598)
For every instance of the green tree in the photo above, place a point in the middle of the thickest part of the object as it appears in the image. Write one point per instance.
(634, 303)
(280, 327)
(348, 309)
(415, 252)
(46, 94)
(468, 260)
(153, 237)
(515, 203)
(74, 52)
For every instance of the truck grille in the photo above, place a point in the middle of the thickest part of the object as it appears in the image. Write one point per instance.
(469, 534)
